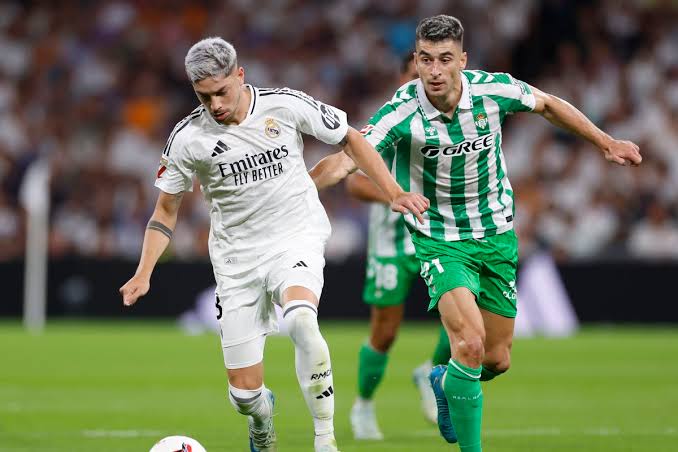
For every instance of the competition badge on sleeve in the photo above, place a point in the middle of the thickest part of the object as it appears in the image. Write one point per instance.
(163, 166)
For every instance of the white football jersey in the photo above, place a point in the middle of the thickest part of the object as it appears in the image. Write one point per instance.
(253, 175)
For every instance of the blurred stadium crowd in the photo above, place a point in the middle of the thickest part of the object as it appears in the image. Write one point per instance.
(98, 86)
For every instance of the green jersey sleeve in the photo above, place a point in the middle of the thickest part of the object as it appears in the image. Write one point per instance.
(381, 131)
(388, 124)
(511, 94)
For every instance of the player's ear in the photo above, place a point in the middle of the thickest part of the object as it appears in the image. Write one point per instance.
(462, 60)
(241, 74)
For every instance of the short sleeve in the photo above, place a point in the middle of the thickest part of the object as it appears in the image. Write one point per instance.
(381, 130)
(511, 94)
(325, 122)
(175, 174)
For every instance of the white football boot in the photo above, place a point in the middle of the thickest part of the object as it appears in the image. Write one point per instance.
(364, 420)
(428, 399)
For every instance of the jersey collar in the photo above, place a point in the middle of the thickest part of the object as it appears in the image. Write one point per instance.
(431, 112)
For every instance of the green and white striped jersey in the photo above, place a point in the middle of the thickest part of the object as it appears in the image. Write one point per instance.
(456, 163)
(387, 234)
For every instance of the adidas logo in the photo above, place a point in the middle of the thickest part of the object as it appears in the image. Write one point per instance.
(326, 393)
(300, 264)
(220, 148)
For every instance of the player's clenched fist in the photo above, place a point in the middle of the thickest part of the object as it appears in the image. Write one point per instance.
(134, 289)
(414, 203)
(623, 152)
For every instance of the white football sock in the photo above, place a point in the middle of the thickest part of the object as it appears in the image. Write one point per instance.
(251, 402)
(312, 359)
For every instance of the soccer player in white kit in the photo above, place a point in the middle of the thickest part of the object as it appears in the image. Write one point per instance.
(268, 228)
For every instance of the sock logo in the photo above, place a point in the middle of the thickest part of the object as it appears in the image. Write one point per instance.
(300, 264)
(326, 393)
(321, 375)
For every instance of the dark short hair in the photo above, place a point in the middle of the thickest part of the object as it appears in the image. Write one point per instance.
(405, 61)
(440, 28)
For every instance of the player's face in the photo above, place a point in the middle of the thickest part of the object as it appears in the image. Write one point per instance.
(221, 94)
(439, 65)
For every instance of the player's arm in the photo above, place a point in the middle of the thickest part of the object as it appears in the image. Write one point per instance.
(339, 166)
(362, 188)
(332, 169)
(564, 115)
(157, 237)
(370, 162)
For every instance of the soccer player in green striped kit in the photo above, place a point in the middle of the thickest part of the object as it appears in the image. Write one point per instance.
(443, 134)
(392, 268)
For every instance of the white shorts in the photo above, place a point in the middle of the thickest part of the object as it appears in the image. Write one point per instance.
(246, 300)
(246, 354)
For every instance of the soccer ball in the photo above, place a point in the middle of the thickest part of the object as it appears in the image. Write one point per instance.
(177, 444)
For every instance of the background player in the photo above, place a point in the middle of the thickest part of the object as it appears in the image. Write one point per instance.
(444, 131)
(391, 269)
(268, 228)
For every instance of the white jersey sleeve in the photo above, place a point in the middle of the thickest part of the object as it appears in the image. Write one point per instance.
(326, 123)
(177, 165)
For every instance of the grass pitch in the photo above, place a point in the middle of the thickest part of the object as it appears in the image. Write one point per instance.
(97, 386)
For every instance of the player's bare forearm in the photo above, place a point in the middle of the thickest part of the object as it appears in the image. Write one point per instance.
(332, 169)
(157, 237)
(362, 188)
(159, 231)
(564, 115)
(367, 159)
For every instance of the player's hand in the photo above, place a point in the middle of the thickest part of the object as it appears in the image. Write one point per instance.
(134, 289)
(413, 203)
(623, 152)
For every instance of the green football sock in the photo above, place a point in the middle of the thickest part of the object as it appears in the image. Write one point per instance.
(487, 375)
(441, 354)
(465, 399)
(371, 368)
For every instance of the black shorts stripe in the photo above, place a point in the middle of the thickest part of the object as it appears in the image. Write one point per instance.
(180, 125)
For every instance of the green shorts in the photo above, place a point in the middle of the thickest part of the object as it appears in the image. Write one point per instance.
(388, 279)
(487, 267)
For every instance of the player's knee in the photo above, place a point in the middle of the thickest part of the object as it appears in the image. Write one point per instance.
(471, 350)
(302, 321)
(245, 381)
(498, 366)
(497, 360)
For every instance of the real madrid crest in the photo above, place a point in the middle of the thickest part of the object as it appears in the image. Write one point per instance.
(481, 120)
(271, 128)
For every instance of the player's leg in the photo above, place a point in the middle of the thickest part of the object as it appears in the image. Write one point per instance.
(247, 393)
(387, 284)
(498, 300)
(373, 356)
(461, 383)
(372, 360)
(245, 317)
(498, 342)
(451, 271)
(312, 361)
(442, 352)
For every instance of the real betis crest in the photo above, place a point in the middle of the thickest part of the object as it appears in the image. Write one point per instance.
(481, 120)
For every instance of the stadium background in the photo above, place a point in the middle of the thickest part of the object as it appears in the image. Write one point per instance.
(94, 88)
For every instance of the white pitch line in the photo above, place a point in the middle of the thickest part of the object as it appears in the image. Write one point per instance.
(101, 433)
